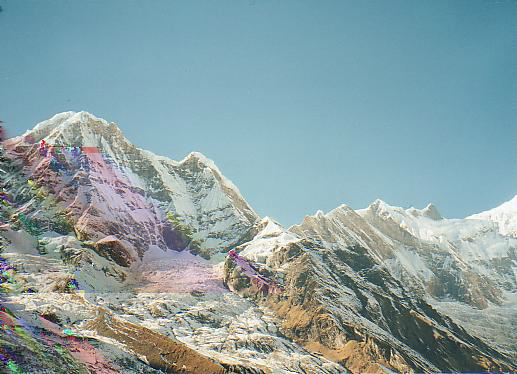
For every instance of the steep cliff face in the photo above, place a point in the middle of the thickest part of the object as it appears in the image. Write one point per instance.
(337, 297)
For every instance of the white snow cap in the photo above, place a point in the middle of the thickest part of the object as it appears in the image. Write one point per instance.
(62, 124)
(505, 215)
(430, 211)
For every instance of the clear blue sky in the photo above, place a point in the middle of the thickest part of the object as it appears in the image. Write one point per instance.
(304, 105)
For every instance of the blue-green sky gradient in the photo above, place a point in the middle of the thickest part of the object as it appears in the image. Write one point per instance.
(304, 105)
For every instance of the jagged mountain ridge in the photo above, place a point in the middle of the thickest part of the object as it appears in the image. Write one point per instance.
(135, 187)
(347, 291)
(433, 254)
(465, 268)
(342, 301)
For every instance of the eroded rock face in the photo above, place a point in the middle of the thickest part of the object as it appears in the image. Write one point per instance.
(113, 249)
(341, 302)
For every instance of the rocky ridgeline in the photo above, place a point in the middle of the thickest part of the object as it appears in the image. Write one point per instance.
(341, 302)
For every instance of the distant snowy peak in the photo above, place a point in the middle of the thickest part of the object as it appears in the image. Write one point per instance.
(85, 129)
(343, 226)
(381, 208)
(78, 128)
(269, 227)
(44, 128)
(432, 254)
(430, 211)
(227, 186)
(505, 215)
(343, 209)
(81, 129)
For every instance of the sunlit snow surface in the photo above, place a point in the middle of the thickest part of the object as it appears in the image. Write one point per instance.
(135, 187)
(182, 295)
(496, 324)
(505, 215)
(177, 272)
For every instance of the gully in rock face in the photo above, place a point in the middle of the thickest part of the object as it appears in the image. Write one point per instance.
(256, 278)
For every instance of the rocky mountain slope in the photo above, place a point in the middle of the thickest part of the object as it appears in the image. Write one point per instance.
(341, 299)
(452, 263)
(467, 260)
(85, 235)
(118, 260)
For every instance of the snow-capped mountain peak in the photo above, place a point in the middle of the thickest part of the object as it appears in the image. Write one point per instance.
(71, 127)
(383, 209)
(505, 215)
(135, 187)
(430, 211)
(380, 208)
(363, 288)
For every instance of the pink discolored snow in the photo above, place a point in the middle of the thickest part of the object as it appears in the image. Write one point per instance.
(179, 272)
(90, 356)
(81, 350)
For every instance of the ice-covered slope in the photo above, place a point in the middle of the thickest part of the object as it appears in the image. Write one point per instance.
(505, 215)
(77, 226)
(471, 240)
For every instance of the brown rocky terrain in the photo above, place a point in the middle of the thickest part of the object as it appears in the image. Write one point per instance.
(159, 351)
(342, 304)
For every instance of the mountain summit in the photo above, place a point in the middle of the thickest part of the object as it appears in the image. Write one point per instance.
(125, 186)
(505, 215)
